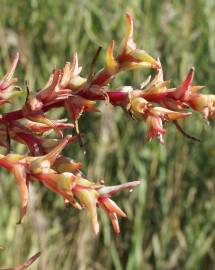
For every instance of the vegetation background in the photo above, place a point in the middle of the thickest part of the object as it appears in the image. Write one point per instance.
(171, 216)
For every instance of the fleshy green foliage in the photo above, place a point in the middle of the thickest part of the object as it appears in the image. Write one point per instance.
(171, 217)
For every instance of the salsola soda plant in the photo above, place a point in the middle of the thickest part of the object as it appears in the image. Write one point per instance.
(153, 103)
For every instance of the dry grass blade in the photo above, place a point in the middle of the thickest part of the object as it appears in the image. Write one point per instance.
(26, 264)
(92, 66)
(184, 133)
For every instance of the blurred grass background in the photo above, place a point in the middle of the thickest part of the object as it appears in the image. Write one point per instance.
(171, 216)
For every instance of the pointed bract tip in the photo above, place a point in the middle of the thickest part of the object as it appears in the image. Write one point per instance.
(129, 18)
(196, 88)
(74, 58)
(181, 91)
(157, 65)
(16, 57)
(74, 64)
(111, 45)
(115, 223)
(190, 74)
(129, 26)
(96, 228)
(111, 63)
(8, 76)
(111, 190)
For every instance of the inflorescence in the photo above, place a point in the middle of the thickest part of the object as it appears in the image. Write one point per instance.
(154, 103)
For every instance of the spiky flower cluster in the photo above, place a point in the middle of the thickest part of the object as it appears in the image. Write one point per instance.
(154, 103)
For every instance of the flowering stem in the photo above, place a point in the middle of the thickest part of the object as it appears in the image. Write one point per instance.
(114, 97)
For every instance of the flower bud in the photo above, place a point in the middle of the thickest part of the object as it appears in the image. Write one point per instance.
(7, 83)
(130, 57)
(39, 166)
(204, 104)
